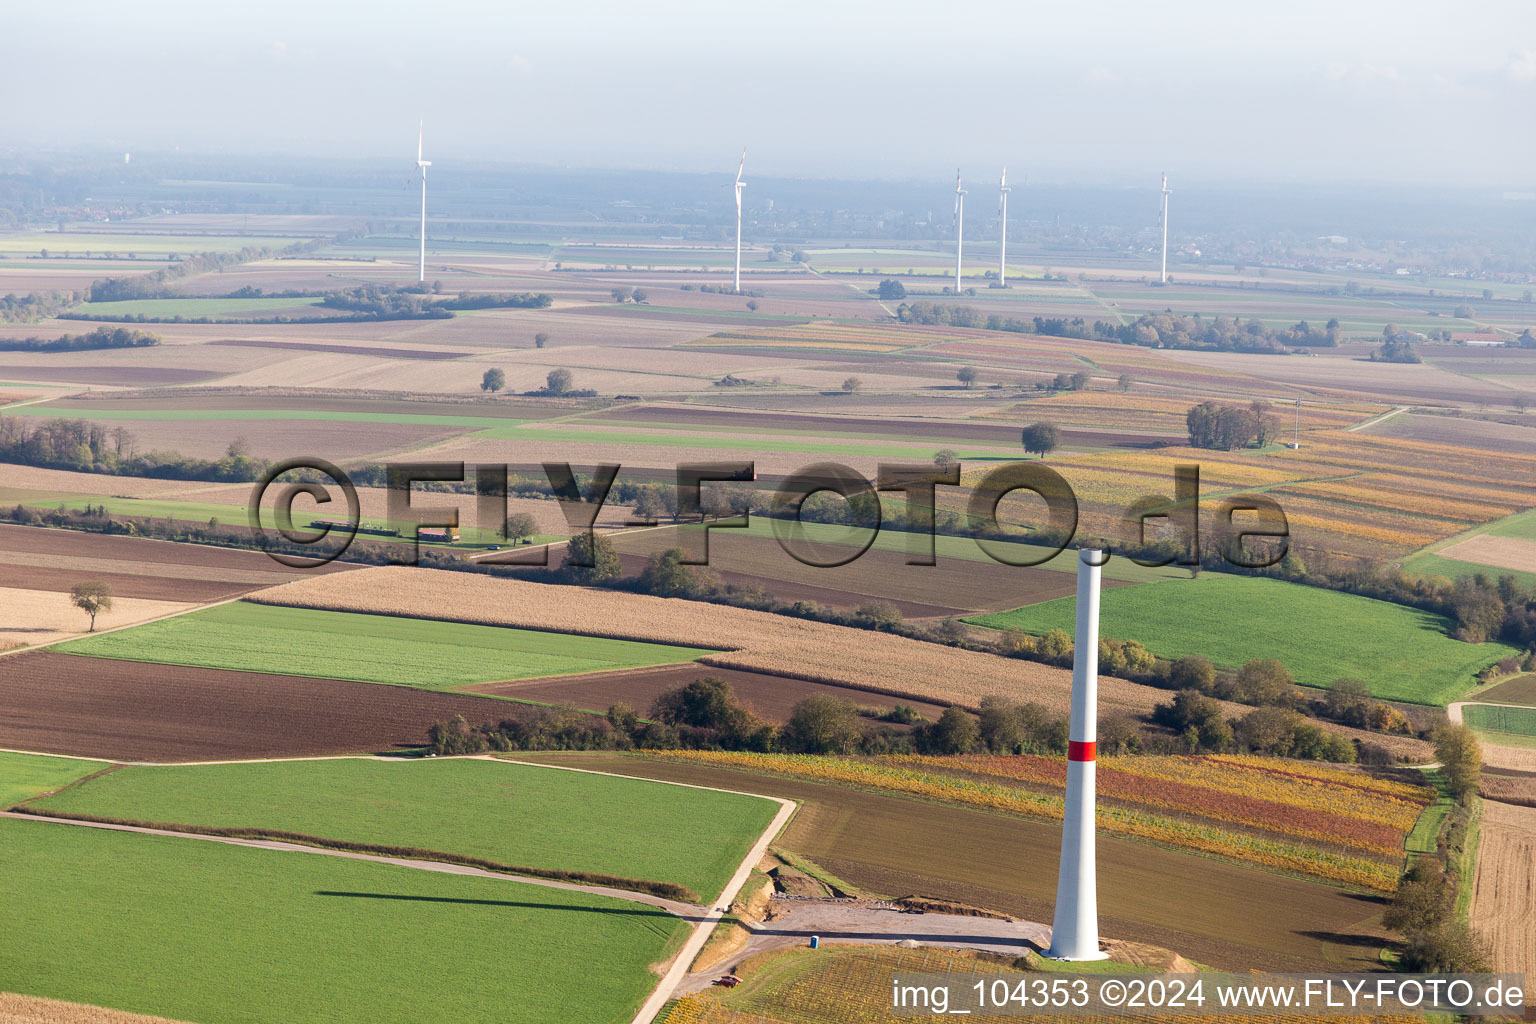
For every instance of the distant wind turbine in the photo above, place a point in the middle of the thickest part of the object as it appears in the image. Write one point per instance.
(421, 168)
(739, 186)
(1165, 227)
(959, 227)
(1002, 210)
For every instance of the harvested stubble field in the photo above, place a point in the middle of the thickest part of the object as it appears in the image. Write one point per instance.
(140, 711)
(1494, 551)
(770, 697)
(1232, 916)
(764, 642)
(852, 985)
(513, 814)
(1504, 893)
(18, 1009)
(30, 617)
(1157, 801)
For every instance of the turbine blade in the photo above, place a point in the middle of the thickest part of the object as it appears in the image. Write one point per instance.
(421, 129)
(740, 170)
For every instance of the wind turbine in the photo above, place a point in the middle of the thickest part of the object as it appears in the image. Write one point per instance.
(959, 227)
(421, 168)
(739, 186)
(1165, 228)
(1002, 210)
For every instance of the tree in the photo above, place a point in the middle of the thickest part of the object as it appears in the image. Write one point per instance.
(1192, 672)
(752, 305)
(519, 526)
(92, 597)
(1198, 718)
(638, 295)
(852, 384)
(945, 457)
(540, 340)
(1124, 382)
(558, 382)
(890, 289)
(822, 724)
(1349, 701)
(621, 294)
(1041, 438)
(1423, 900)
(589, 557)
(1263, 681)
(967, 375)
(1460, 757)
(493, 380)
(1079, 381)
(955, 732)
(665, 575)
(1450, 949)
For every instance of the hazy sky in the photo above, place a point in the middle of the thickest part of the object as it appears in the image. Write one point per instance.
(1344, 90)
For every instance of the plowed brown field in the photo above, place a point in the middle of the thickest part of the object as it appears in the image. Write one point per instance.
(128, 710)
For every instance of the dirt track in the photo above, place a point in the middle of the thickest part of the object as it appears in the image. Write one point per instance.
(99, 707)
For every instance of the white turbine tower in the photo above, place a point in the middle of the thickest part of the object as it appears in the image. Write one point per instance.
(1075, 932)
(959, 227)
(1002, 211)
(421, 168)
(739, 186)
(1165, 227)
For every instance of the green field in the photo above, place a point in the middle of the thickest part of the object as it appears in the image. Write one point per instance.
(1507, 727)
(192, 307)
(423, 653)
(1320, 635)
(26, 775)
(511, 813)
(203, 931)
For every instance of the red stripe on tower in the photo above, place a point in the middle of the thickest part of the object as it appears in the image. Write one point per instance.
(1077, 751)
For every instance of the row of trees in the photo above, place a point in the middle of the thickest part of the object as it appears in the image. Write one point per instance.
(88, 447)
(101, 337)
(1150, 330)
(707, 715)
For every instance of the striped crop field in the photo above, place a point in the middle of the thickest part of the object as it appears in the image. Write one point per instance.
(1344, 827)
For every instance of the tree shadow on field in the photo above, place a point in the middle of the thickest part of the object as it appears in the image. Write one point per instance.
(1359, 939)
(1375, 899)
(620, 911)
